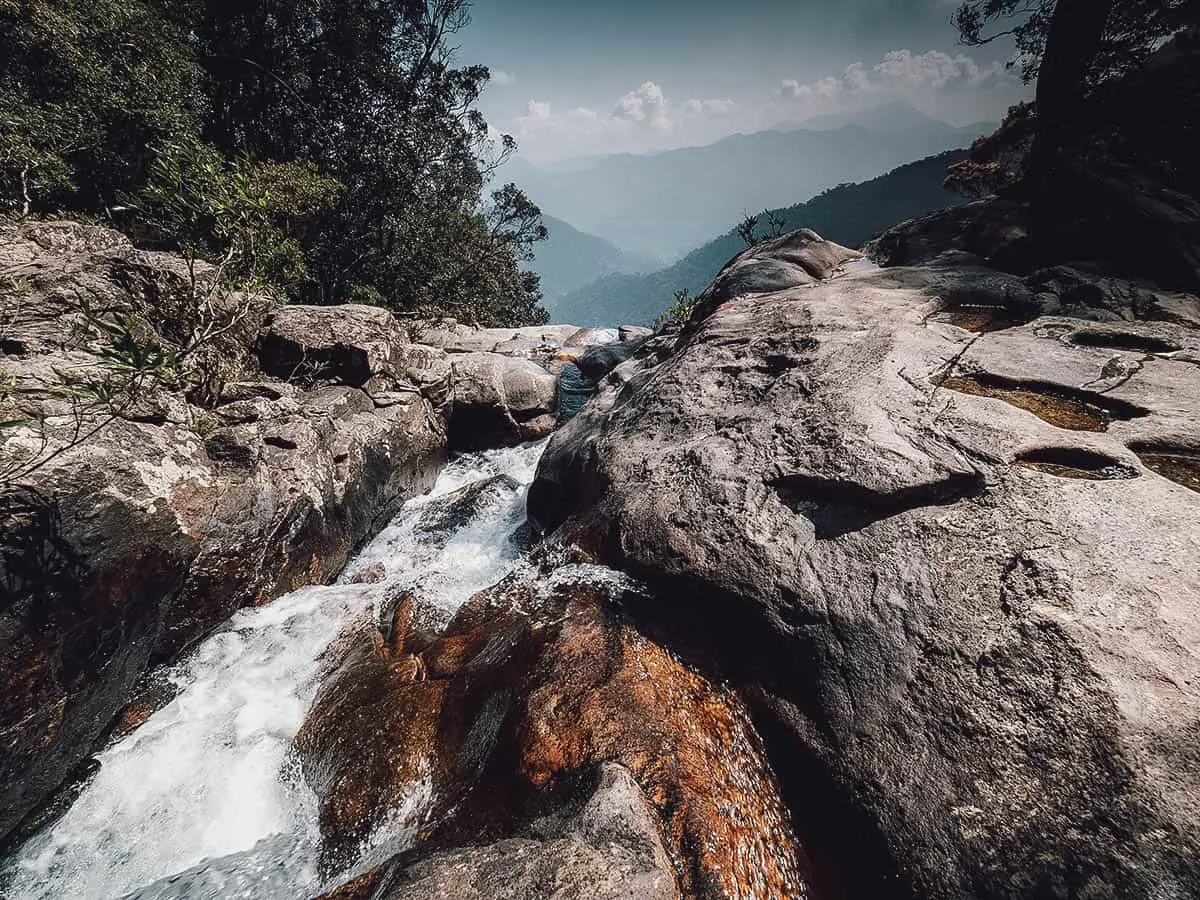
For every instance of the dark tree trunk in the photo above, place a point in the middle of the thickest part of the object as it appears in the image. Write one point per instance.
(1072, 43)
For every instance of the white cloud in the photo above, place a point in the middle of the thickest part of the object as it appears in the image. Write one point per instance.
(708, 108)
(645, 107)
(646, 104)
(953, 86)
(501, 78)
(900, 72)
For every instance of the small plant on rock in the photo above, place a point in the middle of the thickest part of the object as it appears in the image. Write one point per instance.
(680, 311)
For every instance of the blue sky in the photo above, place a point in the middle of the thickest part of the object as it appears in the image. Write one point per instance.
(625, 76)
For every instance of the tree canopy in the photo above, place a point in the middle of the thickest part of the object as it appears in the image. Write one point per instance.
(1088, 59)
(1131, 30)
(347, 123)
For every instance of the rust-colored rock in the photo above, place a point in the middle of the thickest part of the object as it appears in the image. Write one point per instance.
(511, 706)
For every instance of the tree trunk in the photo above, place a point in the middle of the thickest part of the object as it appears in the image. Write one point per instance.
(1072, 43)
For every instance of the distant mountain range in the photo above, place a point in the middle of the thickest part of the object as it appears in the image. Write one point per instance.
(849, 214)
(570, 259)
(666, 203)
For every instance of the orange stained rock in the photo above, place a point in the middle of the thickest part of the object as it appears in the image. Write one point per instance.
(603, 692)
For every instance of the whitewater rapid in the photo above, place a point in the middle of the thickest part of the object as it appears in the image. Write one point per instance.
(205, 799)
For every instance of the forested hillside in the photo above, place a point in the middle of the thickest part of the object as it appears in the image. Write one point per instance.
(848, 214)
(570, 258)
(328, 147)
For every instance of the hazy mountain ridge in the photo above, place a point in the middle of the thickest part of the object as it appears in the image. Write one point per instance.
(664, 203)
(570, 259)
(849, 214)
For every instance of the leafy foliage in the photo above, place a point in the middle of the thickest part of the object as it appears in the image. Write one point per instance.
(679, 312)
(333, 144)
(747, 229)
(87, 87)
(1134, 29)
(1089, 60)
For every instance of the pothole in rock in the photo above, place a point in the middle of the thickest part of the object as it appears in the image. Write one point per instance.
(982, 318)
(1073, 462)
(1123, 340)
(1179, 464)
(1061, 406)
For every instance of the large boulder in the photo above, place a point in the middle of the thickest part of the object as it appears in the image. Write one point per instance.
(461, 741)
(953, 573)
(121, 549)
(499, 401)
(355, 345)
(454, 337)
(797, 258)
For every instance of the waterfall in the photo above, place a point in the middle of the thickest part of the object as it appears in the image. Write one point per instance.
(205, 798)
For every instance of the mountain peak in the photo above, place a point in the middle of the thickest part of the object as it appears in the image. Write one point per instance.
(896, 115)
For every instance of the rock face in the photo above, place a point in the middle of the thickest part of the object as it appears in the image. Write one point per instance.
(799, 257)
(952, 573)
(499, 401)
(607, 849)
(122, 550)
(533, 693)
(360, 346)
(454, 337)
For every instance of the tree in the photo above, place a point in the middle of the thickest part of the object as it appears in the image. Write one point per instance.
(362, 93)
(1131, 30)
(369, 91)
(87, 88)
(1071, 48)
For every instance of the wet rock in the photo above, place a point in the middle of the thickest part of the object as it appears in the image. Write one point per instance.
(499, 401)
(529, 689)
(984, 677)
(452, 511)
(607, 849)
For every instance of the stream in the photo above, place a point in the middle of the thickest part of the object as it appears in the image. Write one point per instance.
(205, 799)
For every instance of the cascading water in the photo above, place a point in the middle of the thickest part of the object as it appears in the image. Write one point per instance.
(204, 800)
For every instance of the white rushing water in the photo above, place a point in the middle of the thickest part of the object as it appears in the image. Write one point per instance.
(204, 799)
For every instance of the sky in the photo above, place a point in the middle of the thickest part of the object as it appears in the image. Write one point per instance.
(576, 78)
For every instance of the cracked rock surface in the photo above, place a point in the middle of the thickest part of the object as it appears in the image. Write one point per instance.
(968, 630)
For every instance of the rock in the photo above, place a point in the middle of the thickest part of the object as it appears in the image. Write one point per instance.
(599, 361)
(550, 346)
(499, 401)
(59, 267)
(608, 849)
(452, 511)
(455, 338)
(355, 345)
(799, 257)
(991, 230)
(122, 550)
(592, 337)
(967, 634)
(463, 743)
(633, 332)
